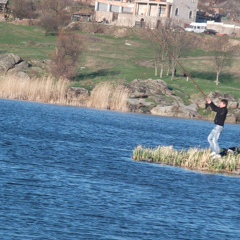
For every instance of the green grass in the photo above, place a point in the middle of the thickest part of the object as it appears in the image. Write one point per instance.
(108, 58)
(26, 41)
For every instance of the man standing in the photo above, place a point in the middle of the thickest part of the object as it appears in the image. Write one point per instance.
(219, 124)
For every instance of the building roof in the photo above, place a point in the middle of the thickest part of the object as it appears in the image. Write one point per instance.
(3, 1)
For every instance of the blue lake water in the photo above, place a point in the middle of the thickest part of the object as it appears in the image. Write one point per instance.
(67, 173)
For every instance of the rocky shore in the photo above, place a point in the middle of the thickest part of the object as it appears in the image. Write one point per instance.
(145, 96)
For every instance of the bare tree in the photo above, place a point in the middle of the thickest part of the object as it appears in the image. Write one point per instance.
(24, 8)
(159, 41)
(159, 50)
(179, 44)
(223, 52)
(169, 43)
(65, 59)
(162, 52)
(55, 14)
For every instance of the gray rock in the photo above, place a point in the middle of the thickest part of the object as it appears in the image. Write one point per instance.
(20, 67)
(145, 88)
(8, 61)
(78, 95)
(139, 105)
(164, 111)
(176, 110)
(190, 111)
(201, 103)
(38, 63)
(217, 97)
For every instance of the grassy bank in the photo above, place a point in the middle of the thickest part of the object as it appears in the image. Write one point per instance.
(110, 57)
(193, 159)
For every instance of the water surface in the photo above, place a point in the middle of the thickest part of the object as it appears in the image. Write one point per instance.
(67, 173)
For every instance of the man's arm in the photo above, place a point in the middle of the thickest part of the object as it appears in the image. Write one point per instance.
(212, 105)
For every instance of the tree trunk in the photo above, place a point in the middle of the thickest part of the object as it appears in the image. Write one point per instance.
(156, 69)
(217, 78)
(168, 71)
(173, 71)
(161, 71)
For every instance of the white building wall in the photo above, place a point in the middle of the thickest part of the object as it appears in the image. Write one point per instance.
(184, 10)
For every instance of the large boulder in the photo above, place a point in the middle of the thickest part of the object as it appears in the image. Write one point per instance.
(217, 96)
(8, 61)
(177, 110)
(147, 94)
(164, 110)
(19, 67)
(201, 103)
(140, 105)
(11, 64)
(43, 64)
(145, 88)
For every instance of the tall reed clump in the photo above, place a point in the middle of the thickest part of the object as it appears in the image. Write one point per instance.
(193, 158)
(106, 95)
(46, 89)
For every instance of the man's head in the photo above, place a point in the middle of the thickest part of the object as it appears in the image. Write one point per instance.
(223, 103)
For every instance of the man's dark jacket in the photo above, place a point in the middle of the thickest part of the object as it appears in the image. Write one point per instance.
(221, 114)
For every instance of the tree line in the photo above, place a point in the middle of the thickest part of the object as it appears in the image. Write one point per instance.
(170, 43)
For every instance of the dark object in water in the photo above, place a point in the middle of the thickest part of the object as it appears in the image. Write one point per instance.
(231, 150)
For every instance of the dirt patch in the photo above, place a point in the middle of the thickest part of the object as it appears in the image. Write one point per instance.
(147, 63)
(105, 29)
(25, 22)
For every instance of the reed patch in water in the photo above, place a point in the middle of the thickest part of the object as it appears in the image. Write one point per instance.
(194, 159)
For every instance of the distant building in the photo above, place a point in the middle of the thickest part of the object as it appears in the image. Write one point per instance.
(130, 12)
(83, 16)
(3, 5)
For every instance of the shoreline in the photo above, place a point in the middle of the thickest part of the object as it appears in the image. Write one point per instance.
(94, 108)
(202, 171)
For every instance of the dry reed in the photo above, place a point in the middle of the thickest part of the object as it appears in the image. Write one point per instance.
(105, 95)
(194, 158)
(45, 90)
(108, 96)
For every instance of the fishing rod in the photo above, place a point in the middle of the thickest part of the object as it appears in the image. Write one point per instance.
(184, 70)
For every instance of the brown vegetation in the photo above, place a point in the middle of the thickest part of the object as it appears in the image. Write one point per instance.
(24, 9)
(54, 15)
(65, 59)
(104, 95)
(109, 96)
(45, 90)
